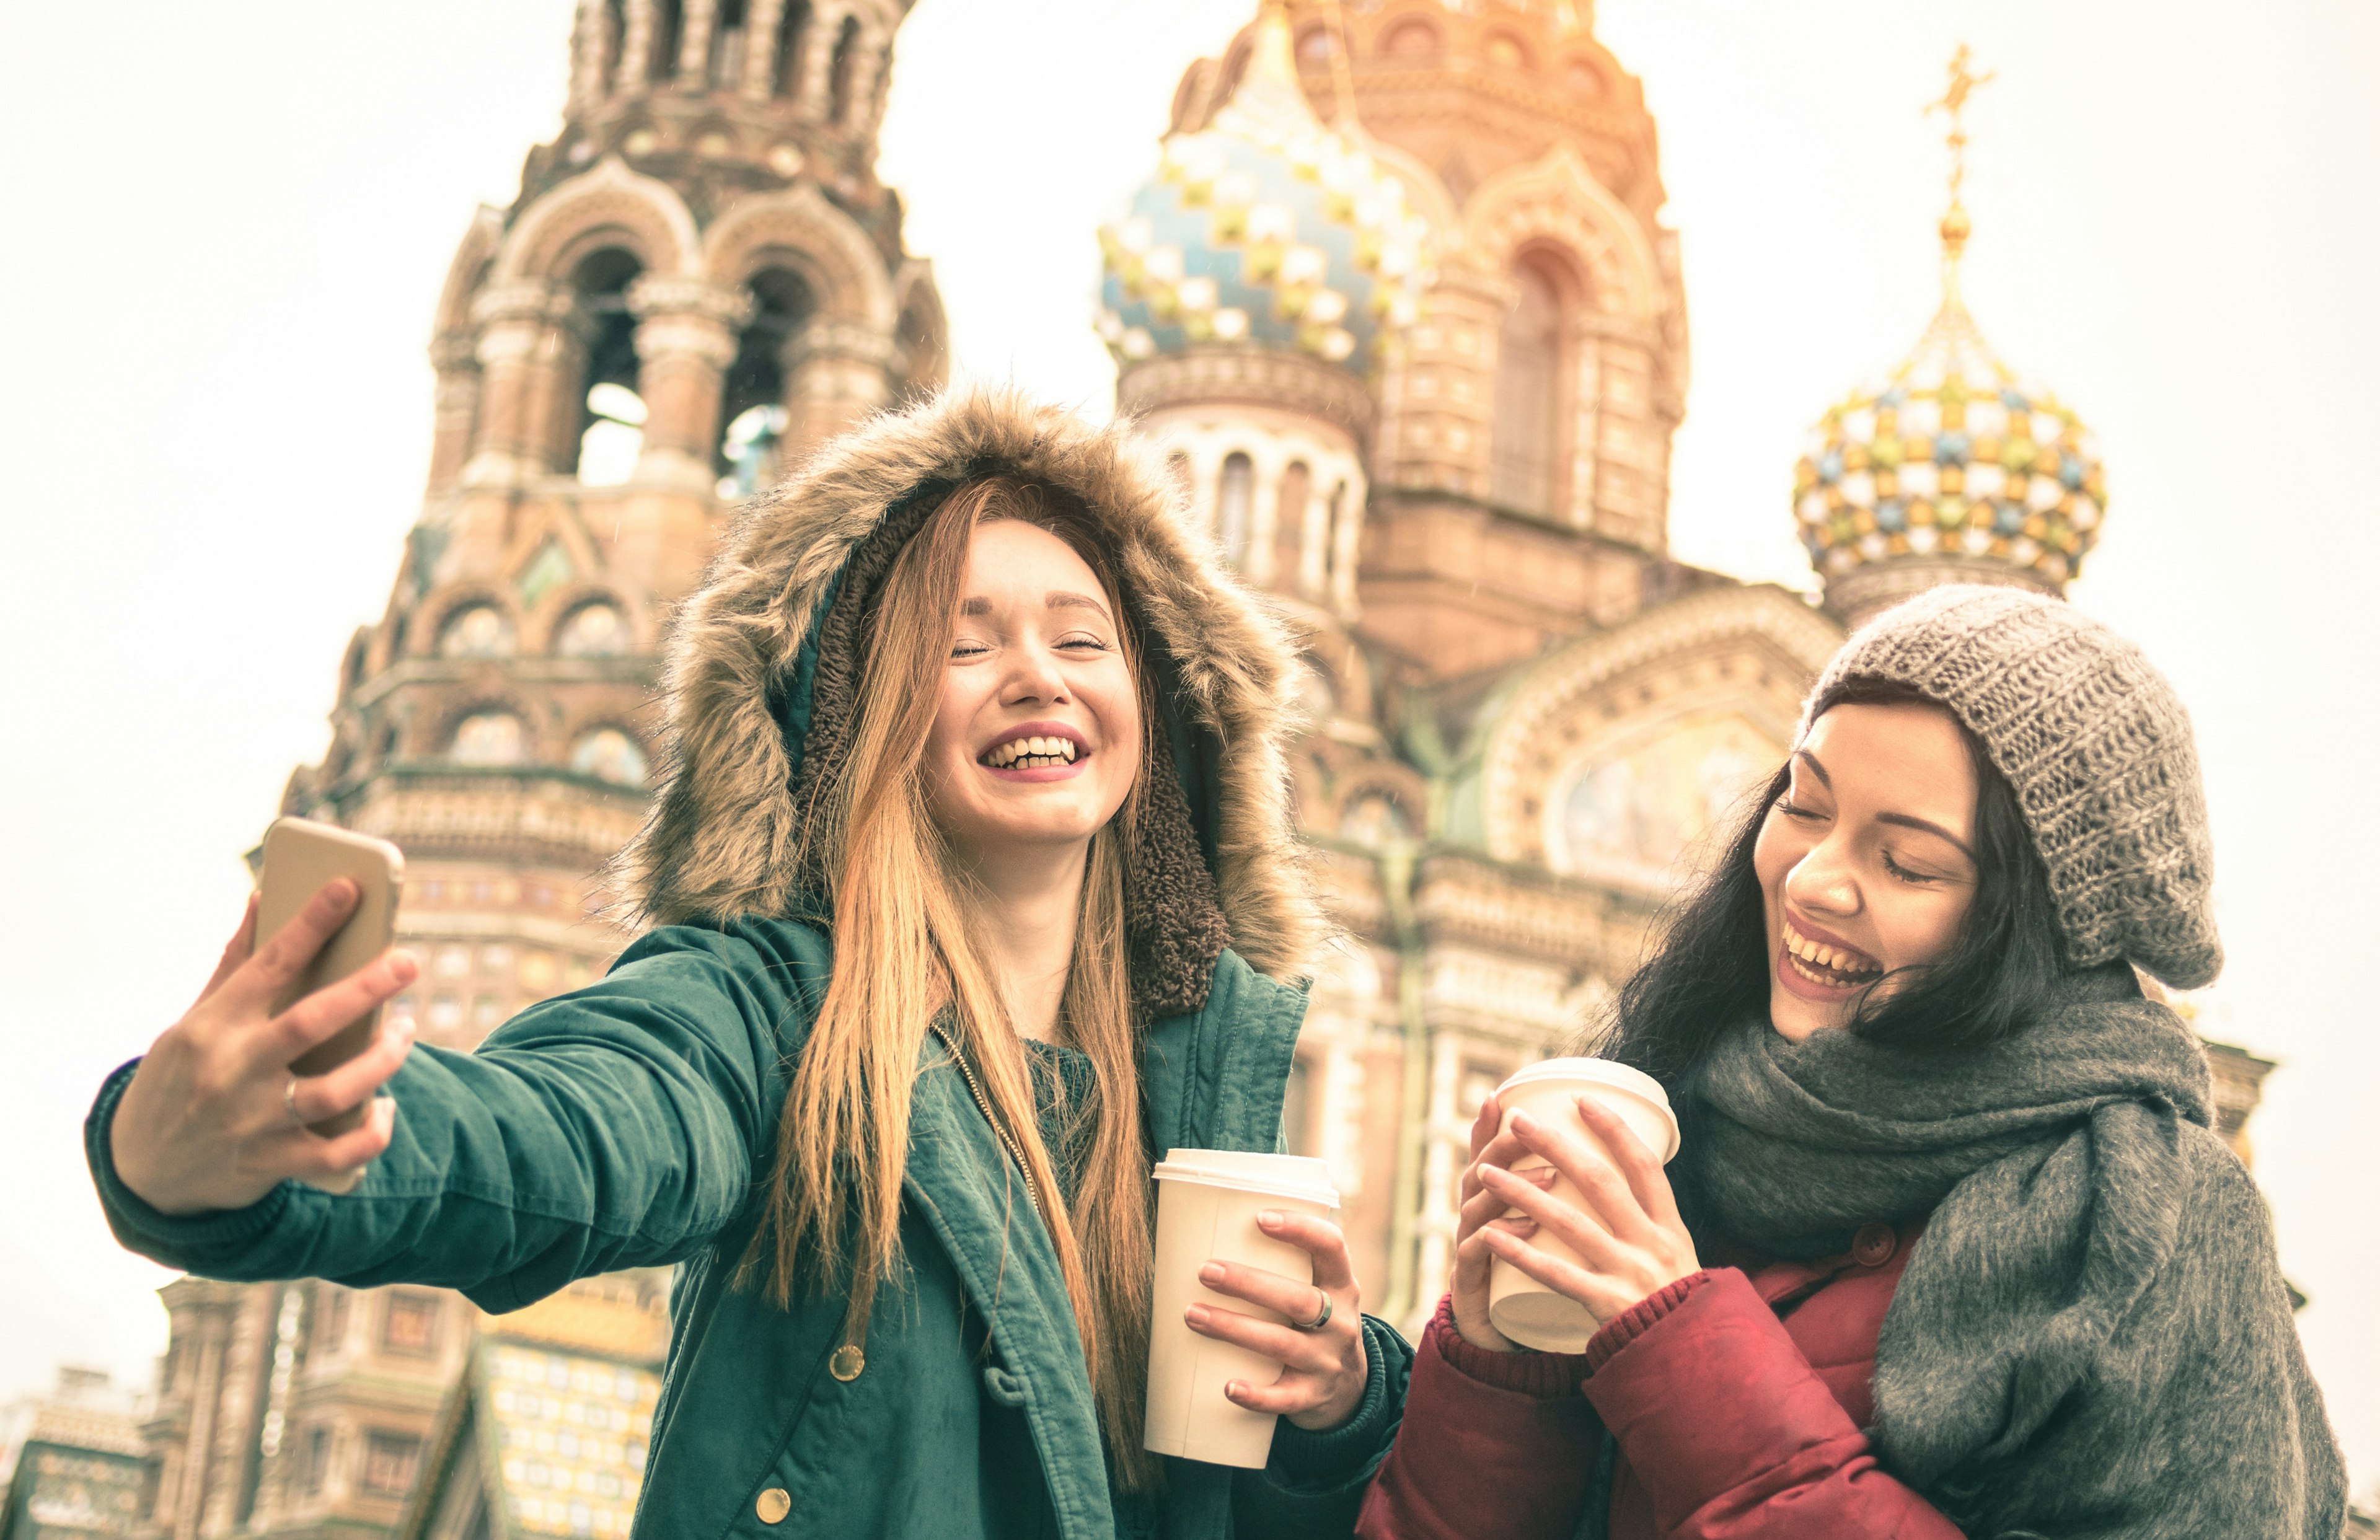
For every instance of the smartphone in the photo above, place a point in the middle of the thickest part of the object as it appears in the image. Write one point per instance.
(301, 856)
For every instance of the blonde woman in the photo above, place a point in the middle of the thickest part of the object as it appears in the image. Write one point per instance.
(973, 884)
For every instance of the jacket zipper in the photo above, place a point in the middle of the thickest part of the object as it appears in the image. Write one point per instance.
(983, 1104)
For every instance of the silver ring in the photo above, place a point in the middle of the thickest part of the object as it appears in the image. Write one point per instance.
(1320, 1321)
(289, 1100)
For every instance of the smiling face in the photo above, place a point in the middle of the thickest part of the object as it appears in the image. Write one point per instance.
(1035, 739)
(1866, 863)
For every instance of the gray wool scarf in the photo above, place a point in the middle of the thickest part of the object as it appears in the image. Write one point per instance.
(2092, 1337)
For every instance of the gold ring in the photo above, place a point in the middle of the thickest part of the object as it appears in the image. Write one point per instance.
(289, 1100)
(1320, 1321)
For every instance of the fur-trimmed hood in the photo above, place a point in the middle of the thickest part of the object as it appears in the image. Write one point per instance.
(763, 658)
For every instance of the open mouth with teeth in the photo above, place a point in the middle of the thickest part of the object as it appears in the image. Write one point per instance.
(1829, 967)
(1033, 751)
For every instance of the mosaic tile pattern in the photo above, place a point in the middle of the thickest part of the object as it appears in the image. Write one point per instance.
(1952, 455)
(570, 1436)
(1266, 226)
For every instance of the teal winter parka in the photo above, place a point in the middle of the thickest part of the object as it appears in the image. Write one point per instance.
(632, 1123)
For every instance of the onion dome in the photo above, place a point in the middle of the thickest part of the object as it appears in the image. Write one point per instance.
(1266, 226)
(1951, 459)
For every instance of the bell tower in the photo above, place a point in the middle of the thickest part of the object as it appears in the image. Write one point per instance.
(700, 278)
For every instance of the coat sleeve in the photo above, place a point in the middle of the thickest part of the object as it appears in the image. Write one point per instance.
(1315, 1482)
(1730, 1432)
(615, 1126)
(1495, 1446)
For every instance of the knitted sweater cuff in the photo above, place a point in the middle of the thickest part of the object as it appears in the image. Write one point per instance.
(1637, 1320)
(1542, 1375)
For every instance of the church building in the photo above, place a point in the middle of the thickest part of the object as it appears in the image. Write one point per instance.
(1398, 299)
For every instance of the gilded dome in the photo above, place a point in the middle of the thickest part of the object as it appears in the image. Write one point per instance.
(1266, 226)
(1951, 456)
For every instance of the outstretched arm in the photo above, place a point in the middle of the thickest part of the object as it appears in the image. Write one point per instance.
(610, 1127)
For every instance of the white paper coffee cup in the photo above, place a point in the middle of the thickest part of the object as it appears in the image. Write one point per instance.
(1207, 1201)
(1518, 1305)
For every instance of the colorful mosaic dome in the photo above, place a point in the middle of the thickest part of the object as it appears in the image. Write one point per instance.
(1951, 456)
(1264, 227)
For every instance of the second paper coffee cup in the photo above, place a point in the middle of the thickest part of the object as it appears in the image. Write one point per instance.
(1518, 1305)
(1207, 1201)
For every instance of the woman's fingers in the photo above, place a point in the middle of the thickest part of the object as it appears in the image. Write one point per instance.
(1287, 1298)
(235, 952)
(272, 967)
(308, 1156)
(323, 1014)
(1484, 1206)
(1559, 1274)
(1325, 1242)
(320, 1098)
(1298, 1350)
(1598, 1181)
(1502, 1150)
(1638, 1165)
(1483, 1127)
(1574, 1227)
(1290, 1393)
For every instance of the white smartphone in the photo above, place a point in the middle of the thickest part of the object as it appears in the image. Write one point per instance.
(301, 856)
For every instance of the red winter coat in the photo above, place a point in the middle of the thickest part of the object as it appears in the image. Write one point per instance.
(1737, 1396)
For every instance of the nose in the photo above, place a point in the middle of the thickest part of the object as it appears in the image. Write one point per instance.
(1033, 676)
(1823, 882)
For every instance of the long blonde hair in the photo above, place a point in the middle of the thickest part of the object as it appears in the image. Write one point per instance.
(905, 948)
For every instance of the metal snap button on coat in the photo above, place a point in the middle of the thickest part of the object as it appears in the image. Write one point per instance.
(772, 1505)
(1873, 1246)
(846, 1362)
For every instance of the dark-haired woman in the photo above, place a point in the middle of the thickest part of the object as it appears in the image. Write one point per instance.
(962, 907)
(1951, 1247)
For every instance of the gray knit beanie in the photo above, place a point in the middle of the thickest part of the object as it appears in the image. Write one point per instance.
(2098, 748)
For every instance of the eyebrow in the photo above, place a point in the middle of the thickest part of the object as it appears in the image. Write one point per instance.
(1904, 820)
(1059, 599)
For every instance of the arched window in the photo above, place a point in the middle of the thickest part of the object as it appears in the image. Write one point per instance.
(669, 21)
(612, 413)
(608, 753)
(488, 738)
(1522, 465)
(785, 72)
(1374, 818)
(752, 398)
(1233, 504)
(476, 631)
(846, 60)
(1289, 528)
(1411, 39)
(1314, 45)
(596, 630)
(727, 45)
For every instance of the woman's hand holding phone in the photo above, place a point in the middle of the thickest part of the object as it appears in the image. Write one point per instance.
(213, 1119)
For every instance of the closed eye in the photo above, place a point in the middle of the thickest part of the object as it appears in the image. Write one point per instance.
(1917, 877)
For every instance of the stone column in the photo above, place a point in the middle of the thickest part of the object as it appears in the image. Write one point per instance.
(517, 351)
(835, 374)
(1345, 543)
(588, 46)
(817, 60)
(760, 19)
(686, 338)
(868, 50)
(636, 48)
(694, 44)
(457, 405)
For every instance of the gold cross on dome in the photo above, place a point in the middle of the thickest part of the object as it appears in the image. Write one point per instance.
(1954, 101)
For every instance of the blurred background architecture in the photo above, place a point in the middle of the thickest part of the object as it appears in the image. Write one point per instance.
(1398, 297)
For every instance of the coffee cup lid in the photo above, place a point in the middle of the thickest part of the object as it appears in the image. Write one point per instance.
(1287, 1176)
(1624, 1079)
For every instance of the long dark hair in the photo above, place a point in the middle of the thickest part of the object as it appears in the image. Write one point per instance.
(1709, 966)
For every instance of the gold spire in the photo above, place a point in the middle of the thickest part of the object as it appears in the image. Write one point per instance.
(1956, 225)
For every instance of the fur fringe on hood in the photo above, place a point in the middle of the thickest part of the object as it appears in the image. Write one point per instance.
(745, 671)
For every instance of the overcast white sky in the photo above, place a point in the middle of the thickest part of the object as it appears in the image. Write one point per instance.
(227, 226)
